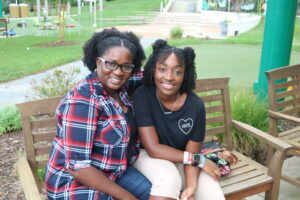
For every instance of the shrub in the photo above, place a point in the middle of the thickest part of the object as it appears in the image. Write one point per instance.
(10, 119)
(56, 84)
(176, 32)
(246, 108)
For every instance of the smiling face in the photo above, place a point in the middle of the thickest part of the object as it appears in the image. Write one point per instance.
(113, 80)
(168, 76)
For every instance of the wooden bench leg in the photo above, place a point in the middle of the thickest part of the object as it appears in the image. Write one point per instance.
(275, 168)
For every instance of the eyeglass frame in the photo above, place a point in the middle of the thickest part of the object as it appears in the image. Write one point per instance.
(108, 65)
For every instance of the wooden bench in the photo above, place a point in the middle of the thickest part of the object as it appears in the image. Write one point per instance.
(284, 104)
(39, 129)
(247, 178)
(3, 27)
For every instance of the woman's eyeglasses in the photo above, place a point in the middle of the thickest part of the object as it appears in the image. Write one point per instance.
(127, 68)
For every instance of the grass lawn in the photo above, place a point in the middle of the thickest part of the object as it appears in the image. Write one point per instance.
(239, 62)
(19, 56)
(252, 37)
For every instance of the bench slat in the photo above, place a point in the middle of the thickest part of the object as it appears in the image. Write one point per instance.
(211, 98)
(217, 119)
(285, 85)
(215, 130)
(43, 123)
(287, 93)
(247, 184)
(213, 109)
(40, 151)
(41, 137)
(248, 175)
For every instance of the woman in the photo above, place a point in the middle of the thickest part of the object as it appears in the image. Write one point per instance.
(96, 141)
(171, 124)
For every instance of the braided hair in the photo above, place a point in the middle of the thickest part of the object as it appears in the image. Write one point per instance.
(186, 57)
(100, 42)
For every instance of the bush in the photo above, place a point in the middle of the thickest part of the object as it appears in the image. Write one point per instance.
(10, 119)
(246, 108)
(56, 84)
(176, 32)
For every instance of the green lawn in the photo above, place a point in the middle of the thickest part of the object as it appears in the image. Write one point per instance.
(19, 56)
(252, 37)
(239, 62)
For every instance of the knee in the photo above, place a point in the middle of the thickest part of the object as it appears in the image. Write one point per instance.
(208, 188)
(168, 182)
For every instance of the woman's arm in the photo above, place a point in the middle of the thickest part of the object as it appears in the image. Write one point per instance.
(95, 179)
(79, 119)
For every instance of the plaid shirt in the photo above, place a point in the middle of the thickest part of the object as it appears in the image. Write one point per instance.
(91, 131)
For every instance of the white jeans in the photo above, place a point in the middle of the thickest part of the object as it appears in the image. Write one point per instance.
(168, 179)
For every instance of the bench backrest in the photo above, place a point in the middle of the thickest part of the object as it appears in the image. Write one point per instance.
(215, 94)
(284, 89)
(39, 129)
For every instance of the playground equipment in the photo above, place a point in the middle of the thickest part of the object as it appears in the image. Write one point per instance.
(278, 38)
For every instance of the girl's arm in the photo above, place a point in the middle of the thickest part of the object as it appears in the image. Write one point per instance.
(191, 172)
(151, 143)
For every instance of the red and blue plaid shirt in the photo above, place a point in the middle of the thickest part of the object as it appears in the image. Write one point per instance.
(91, 131)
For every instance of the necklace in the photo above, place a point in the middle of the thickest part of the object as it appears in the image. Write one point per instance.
(167, 112)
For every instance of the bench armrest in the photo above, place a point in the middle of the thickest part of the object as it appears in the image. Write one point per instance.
(263, 136)
(278, 115)
(28, 182)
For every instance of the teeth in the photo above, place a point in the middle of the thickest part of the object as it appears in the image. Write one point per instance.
(117, 79)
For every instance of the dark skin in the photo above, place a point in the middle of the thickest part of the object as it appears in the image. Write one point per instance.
(112, 81)
(168, 77)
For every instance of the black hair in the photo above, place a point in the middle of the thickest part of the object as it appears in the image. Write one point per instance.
(161, 50)
(100, 42)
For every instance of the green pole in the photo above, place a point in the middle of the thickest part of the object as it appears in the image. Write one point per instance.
(278, 38)
(1, 8)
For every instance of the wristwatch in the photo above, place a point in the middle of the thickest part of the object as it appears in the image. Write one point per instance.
(196, 159)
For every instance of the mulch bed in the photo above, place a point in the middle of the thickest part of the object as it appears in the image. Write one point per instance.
(11, 145)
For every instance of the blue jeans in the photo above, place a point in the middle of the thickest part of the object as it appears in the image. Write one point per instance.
(136, 183)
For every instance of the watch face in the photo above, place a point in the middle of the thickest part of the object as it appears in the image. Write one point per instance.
(197, 158)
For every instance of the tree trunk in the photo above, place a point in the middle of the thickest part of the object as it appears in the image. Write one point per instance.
(61, 17)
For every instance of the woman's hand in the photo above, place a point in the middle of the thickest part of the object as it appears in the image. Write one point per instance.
(212, 169)
(188, 193)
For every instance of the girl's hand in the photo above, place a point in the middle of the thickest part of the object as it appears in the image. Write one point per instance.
(212, 169)
(188, 194)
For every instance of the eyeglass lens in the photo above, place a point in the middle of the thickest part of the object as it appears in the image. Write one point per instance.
(113, 66)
